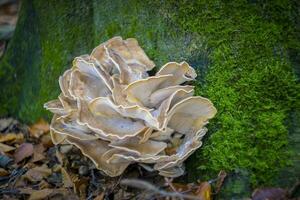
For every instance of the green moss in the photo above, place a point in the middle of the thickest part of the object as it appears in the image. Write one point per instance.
(47, 38)
(50, 34)
(9, 73)
(250, 80)
(140, 19)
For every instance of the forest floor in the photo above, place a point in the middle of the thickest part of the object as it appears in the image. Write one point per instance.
(31, 167)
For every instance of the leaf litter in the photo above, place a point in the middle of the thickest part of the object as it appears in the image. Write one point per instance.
(31, 167)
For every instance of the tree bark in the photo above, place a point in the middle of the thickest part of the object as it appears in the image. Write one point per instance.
(50, 34)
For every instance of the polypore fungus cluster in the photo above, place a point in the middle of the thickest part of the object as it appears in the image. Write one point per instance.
(116, 114)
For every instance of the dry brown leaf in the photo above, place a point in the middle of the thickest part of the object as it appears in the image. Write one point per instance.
(5, 122)
(63, 193)
(25, 150)
(6, 148)
(67, 179)
(37, 194)
(204, 191)
(29, 165)
(43, 185)
(37, 173)
(79, 184)
(56, 168)
(47, 141)
(21, 183)
(38, 153)
(60, 157)
(100, 196)
(48, 193)
(39, 128)
(3, 172)
(72, 180)
(179, 187)
(80, 187)
(270, 194)
(9, 197)
(11, 137)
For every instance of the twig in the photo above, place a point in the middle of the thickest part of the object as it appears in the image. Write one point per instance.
(143, 185)
(220, 180)
(294, 188)
(15, 175)
(9, 191)
(169, 183)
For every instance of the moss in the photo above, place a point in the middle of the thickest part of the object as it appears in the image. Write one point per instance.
(47, 38)
(140, 19)
(9, 73)
(50, 34)
(250, 80)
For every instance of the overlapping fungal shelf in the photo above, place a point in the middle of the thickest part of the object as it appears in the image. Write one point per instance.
(116, 114)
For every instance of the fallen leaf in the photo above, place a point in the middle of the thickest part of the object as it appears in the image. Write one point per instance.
(37, 194)
(37, 173)
(11, 137)
(20, 183)
(47, 141)
(56, 168)
(63, 193)
(25, 150)
(39, 128)
(80, 186)
(5, 160)
(3, 172)
(269, 194)
(67, 179)
(6, 148)
(100, 196)
(204, 191)
(179, 187)
(43, 184)
(38, 153)
(9, 197)
(60, 157)
(5, 122)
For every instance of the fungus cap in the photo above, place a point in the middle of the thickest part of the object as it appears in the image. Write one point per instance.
(116, 114)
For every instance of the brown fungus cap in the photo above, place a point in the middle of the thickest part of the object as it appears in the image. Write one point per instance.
(116, 114)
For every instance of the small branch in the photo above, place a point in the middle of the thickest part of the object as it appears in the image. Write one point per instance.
(143, 185)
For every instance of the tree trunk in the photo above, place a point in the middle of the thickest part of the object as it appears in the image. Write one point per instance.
(50, 34)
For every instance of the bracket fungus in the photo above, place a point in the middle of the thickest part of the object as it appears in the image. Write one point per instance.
(116, 114)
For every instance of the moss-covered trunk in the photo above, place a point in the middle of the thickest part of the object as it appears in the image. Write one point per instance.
(47, 37)
(244, 45)
(50, 34)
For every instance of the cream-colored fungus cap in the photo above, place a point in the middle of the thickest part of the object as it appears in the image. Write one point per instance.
(116, 114)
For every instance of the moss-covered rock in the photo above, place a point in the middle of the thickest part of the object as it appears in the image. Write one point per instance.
(242, 50)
